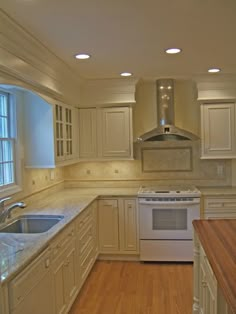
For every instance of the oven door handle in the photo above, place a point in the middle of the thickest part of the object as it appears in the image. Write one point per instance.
(169, 202)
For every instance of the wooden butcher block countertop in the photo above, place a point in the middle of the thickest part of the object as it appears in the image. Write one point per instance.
(218, 239)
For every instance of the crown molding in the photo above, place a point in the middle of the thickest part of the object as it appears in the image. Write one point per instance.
(27, 58)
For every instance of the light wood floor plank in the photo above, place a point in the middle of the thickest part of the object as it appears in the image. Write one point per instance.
(136, 288)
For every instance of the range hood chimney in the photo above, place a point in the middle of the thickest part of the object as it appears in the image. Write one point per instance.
(166, 130)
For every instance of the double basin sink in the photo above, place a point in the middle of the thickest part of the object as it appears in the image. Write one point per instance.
(31, 224)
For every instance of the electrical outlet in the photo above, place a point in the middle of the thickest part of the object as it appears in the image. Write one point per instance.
(88, 171)
(220, 170)
(52, 175)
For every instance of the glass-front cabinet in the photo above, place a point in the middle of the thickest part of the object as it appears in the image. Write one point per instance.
(64, 132)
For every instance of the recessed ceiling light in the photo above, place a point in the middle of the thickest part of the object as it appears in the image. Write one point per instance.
(173, 50)
(214, 70)
(126, 74)
(82, 56)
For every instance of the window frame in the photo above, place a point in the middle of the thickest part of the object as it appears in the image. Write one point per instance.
(14, 112)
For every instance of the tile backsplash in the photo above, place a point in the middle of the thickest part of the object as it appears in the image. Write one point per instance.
(37, 180)
(130, 172)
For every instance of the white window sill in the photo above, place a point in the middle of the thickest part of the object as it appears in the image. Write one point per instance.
(10, 191)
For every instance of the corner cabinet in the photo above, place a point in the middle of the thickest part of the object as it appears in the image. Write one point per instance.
(50, 132)
(105, 133)
(218, 130)
(118, 226)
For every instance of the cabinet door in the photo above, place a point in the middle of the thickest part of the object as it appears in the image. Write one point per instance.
(115, 128)
(87, 133)
(65, 125)
(32, 290)
(68, 131)
(129, 222)
(108, 226)
(218, 135)
(59, 131)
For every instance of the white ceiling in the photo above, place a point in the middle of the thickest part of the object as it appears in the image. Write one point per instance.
(126, 35)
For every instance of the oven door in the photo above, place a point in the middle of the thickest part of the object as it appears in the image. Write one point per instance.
(167, 220)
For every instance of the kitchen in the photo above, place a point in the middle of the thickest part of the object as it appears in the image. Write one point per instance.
(27, 63)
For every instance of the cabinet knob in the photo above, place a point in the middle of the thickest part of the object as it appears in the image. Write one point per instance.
(19, 298)
(204, 284)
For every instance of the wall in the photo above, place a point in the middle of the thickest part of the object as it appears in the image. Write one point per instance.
(32, 180)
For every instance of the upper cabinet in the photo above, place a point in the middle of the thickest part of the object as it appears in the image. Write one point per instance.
(218, 130)
(50, 133)
(65, 124)
(105, 133)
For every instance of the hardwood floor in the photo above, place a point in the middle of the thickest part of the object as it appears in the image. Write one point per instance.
(136, 288)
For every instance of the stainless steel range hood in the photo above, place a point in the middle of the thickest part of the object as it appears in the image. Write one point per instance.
(165, 109)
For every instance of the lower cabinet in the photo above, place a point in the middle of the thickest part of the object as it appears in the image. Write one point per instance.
(32, 290)
(51, 282)
(64, 278)
(208, 287)
(208, 297)
(117, 226)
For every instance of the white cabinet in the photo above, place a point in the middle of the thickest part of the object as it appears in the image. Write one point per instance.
(208, 287)
(64, 269)
(207, 296)
(118, 226)
(87, 133)
(218, 130)
(105, 133)
(50, 132)
(65, 125)
(219, 207)
(32, 290)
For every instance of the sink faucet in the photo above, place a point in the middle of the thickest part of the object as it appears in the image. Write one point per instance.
(5, 212)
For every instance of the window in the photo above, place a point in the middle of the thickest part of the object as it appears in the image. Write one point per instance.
(7, 143)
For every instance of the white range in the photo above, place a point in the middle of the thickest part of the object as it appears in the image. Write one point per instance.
(166, 214)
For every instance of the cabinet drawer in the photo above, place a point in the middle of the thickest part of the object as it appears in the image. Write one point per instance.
(87, 260)
(84, 219)
(62, 240)
(85, 238)
(220, 203)
(26, 280)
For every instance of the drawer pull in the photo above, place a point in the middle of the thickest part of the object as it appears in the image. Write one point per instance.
(47, 263)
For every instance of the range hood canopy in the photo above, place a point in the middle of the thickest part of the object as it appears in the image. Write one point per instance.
(165, 110)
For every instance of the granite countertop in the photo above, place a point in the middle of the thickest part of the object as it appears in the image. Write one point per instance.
(17, 250)
(221, 255)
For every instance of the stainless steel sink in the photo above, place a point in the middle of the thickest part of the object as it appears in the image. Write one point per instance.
(32, 224)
